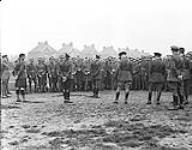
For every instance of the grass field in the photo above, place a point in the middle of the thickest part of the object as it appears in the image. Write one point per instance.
(44, 122)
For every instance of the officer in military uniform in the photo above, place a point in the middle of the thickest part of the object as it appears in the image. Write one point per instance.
(66, 74)
(108, 74)
(41, 74)
(52, 74)
(5, 76)
(87, 75)
(21, 76)
(185, 72)
(123, 76)
(32, 74)
(79, 76)
(174, 77)
(157, 74)
(96, 76)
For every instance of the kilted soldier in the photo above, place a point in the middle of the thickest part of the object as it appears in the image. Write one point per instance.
(185, 72)
(20, 73)
(41, 75)
(123, 76)
(66, 74)
(157, 74)
(32, 74)
(96, 76)
(174, 77)
(5, 76)
(52, 74)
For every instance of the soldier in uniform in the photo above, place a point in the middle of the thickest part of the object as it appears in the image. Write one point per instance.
(108, 74)
(32, 74)
(66, 73)
(52, 74)
(5, 76)
(123, 76)
(20, 73)
(41, 75)
(157, 73)
(87, 75)
(96, 76)
(174, 77)
(136, 76)
(185, 76)
(80, 76)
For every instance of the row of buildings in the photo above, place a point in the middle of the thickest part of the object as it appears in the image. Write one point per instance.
(46, 50)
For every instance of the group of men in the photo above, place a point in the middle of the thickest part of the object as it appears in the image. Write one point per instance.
(65, 74)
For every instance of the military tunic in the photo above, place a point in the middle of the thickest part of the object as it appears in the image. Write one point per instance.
(96, 75)
(20, 71)
(124, 72)
(66, 76)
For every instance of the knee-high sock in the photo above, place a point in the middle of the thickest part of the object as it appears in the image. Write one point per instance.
(117, 95)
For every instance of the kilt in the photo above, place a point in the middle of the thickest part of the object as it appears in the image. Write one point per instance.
(173, 85)
(156, 86)
(21, 83)
(125, 76)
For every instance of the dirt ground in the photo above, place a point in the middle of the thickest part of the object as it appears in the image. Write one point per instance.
(44, 122)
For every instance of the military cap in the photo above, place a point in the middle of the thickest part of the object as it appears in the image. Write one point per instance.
(174, 48)
(21, 55)
(97, 57)
(182, 50)
(67, 55)
(122, 53)
(157, 54)
(4, 56)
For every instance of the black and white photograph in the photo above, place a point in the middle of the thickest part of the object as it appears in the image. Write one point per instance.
(96, 74)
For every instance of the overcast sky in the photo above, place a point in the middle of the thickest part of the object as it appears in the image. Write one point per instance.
(150, 25)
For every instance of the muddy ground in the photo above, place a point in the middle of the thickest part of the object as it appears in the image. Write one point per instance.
(45, 123)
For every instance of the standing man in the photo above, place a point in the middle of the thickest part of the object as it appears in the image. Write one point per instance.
(20, 73)
(157, 73)
(32, 74)
(185, 73)
(96, 76)
(41, 74)
(123, 76)
(174, 77)
(66, 74)
(5, 76)
(52, 74)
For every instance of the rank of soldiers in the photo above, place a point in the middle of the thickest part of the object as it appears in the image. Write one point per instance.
(66, 74)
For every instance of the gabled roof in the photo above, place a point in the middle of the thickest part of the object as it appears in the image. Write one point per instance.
(135, 53)
(43, 48)
(89, 51)
(108, 51)
(69, 49)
